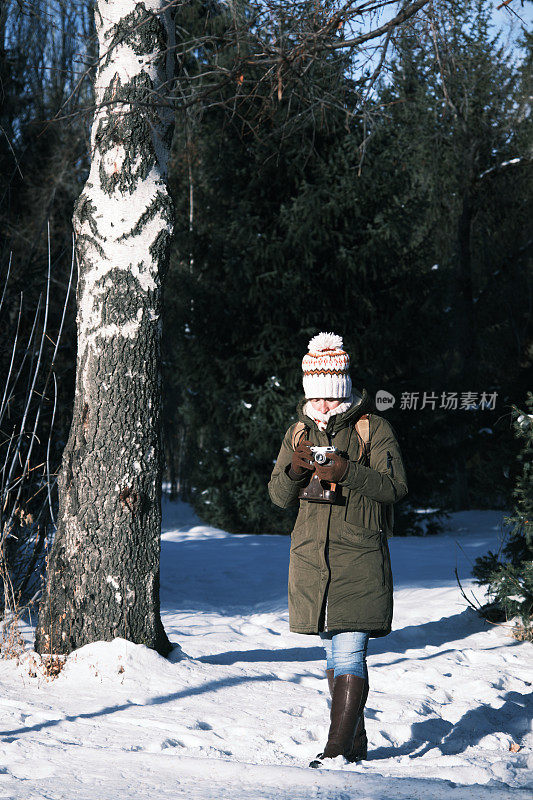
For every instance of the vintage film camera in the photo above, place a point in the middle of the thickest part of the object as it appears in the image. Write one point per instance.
(318, 491)
(321, 454)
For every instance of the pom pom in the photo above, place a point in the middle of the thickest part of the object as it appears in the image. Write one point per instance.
(325, 341)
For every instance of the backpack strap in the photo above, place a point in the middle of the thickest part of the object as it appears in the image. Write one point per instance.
(362, 427)
(298, 432)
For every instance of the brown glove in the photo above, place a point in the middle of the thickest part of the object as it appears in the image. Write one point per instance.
(302, 462)
(335, 470)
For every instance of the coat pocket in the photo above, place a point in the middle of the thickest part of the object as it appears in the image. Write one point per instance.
(369, 544)
(362, 537)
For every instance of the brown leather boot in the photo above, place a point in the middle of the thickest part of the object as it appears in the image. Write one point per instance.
(348, 691)
(360, 742)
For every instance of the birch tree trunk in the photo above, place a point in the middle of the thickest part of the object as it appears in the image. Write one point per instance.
(103, 574)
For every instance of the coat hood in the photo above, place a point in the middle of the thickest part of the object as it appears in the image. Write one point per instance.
(362, 406)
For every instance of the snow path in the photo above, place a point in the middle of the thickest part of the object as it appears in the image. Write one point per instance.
(240, 710)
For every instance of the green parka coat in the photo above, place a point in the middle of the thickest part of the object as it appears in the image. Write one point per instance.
(340, 576)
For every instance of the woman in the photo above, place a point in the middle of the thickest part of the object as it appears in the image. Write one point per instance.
(340, 579)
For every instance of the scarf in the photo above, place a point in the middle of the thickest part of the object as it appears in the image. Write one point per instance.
(321, 420)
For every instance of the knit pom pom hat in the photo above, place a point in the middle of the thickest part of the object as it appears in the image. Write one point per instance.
(325, 368)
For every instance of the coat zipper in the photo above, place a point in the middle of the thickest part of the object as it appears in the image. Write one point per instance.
(382, 534)
(329, 570)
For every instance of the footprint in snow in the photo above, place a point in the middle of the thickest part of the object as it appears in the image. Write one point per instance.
(297, 711)
(157, 747)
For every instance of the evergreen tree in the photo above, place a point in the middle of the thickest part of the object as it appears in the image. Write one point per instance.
(238, 351)
(457, 111)
(295, 233)
(350, 227)
(508, 574)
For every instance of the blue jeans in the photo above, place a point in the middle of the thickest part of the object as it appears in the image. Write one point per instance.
(346, 652)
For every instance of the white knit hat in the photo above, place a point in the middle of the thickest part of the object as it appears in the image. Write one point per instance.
(325, 368)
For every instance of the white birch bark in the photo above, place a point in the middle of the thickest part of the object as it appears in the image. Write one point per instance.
(103, 575)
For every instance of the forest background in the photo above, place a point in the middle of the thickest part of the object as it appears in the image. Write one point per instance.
(401, 222)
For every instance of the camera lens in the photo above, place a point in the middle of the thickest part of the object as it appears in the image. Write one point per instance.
(321, 458)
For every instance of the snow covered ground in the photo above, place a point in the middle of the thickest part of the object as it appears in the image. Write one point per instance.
(242, 707)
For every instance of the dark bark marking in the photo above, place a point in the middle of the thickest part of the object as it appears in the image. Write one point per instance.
(160, 204)
(132, 130)
(129, 498)
(85, 418)
(143, 30)
(160, 250)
